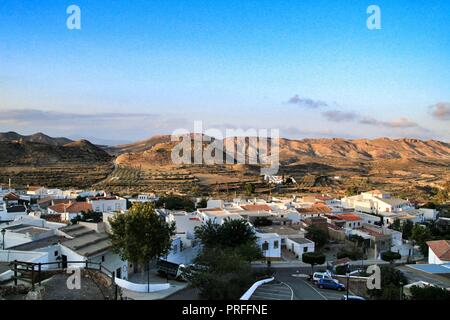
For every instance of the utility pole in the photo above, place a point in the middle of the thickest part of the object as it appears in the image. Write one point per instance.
(348, 279)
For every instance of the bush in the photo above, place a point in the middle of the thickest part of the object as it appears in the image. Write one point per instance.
(390, 256)
(176, 203)
(391, 282)
(354, 254)
(429, 293)
(318, 235)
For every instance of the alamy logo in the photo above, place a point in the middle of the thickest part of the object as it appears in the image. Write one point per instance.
(374, 280)
(74, 280)
(374, 20)
(251, 146)
(73, 21)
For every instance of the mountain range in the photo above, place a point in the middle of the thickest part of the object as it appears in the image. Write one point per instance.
(386, 160)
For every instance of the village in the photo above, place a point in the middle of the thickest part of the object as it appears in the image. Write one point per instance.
(312, 246)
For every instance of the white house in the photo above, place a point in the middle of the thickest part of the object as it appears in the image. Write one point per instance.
(213, 203)
(144, 198)
(376, 201)
(37, 191)
(69, 211)
(299, 246)
(217, 215)
(438, 251)
(107, 204)
(2, 210)
(270, 244)
(89, 241)
(185, 224)
(368, 218)
(12, 213)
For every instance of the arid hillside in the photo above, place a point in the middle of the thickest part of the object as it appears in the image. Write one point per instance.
(328, 165)
(407, 166)
(75, 164)
(37, 137)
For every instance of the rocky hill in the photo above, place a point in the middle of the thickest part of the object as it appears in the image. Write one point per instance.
(37, 137)
(331, 165)
(159, 148)
(49, 162)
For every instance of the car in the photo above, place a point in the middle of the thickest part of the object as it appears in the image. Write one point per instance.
(320, 275)
(355, 298)
(330, 284)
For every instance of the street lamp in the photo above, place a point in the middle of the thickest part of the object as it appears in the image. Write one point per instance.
(347, 272)
(401, 290)
(3, 235)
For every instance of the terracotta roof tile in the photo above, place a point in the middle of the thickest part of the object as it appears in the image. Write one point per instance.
(257, 207)
(441, 249)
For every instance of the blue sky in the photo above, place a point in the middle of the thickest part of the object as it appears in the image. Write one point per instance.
(309, 68)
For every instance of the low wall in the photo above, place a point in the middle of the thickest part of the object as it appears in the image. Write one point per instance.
(139, 287)
(249, 292)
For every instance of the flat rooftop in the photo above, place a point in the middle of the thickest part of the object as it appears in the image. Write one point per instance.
(281, 230)
(32, 230)
(43, 243)
(301, 240)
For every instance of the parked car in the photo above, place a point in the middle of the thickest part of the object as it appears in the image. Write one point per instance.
(344, 297)
(320, 275)
(330, 284)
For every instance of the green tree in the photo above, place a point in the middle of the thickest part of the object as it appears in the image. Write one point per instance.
(421, 234)
(442, 196)
(141, 235)
(318, 235)
(227, 252)
(396, 225)
(390, 256)
(203, 203)
(176, 203)
(226, 274)
(235, 234)
(313, 258)
(429, 293)
(391, 282)
(407, 229)
(208, 233)
(351, 191)
(89, 216)
(262, 222)
(249, 189)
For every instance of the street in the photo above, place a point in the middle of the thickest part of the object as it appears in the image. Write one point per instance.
(304, 289)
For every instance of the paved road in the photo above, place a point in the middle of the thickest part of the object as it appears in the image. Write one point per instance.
(304, 289)
(274, 290)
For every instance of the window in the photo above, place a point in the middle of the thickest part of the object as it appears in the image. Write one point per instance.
(265, 246)
(56, 253)
(103, 258)
(175, 248)
(275, 244)
(305, 249)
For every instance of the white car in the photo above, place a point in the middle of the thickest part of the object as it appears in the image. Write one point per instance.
(320, 275)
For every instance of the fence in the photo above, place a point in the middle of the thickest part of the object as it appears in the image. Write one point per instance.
(33, 272)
